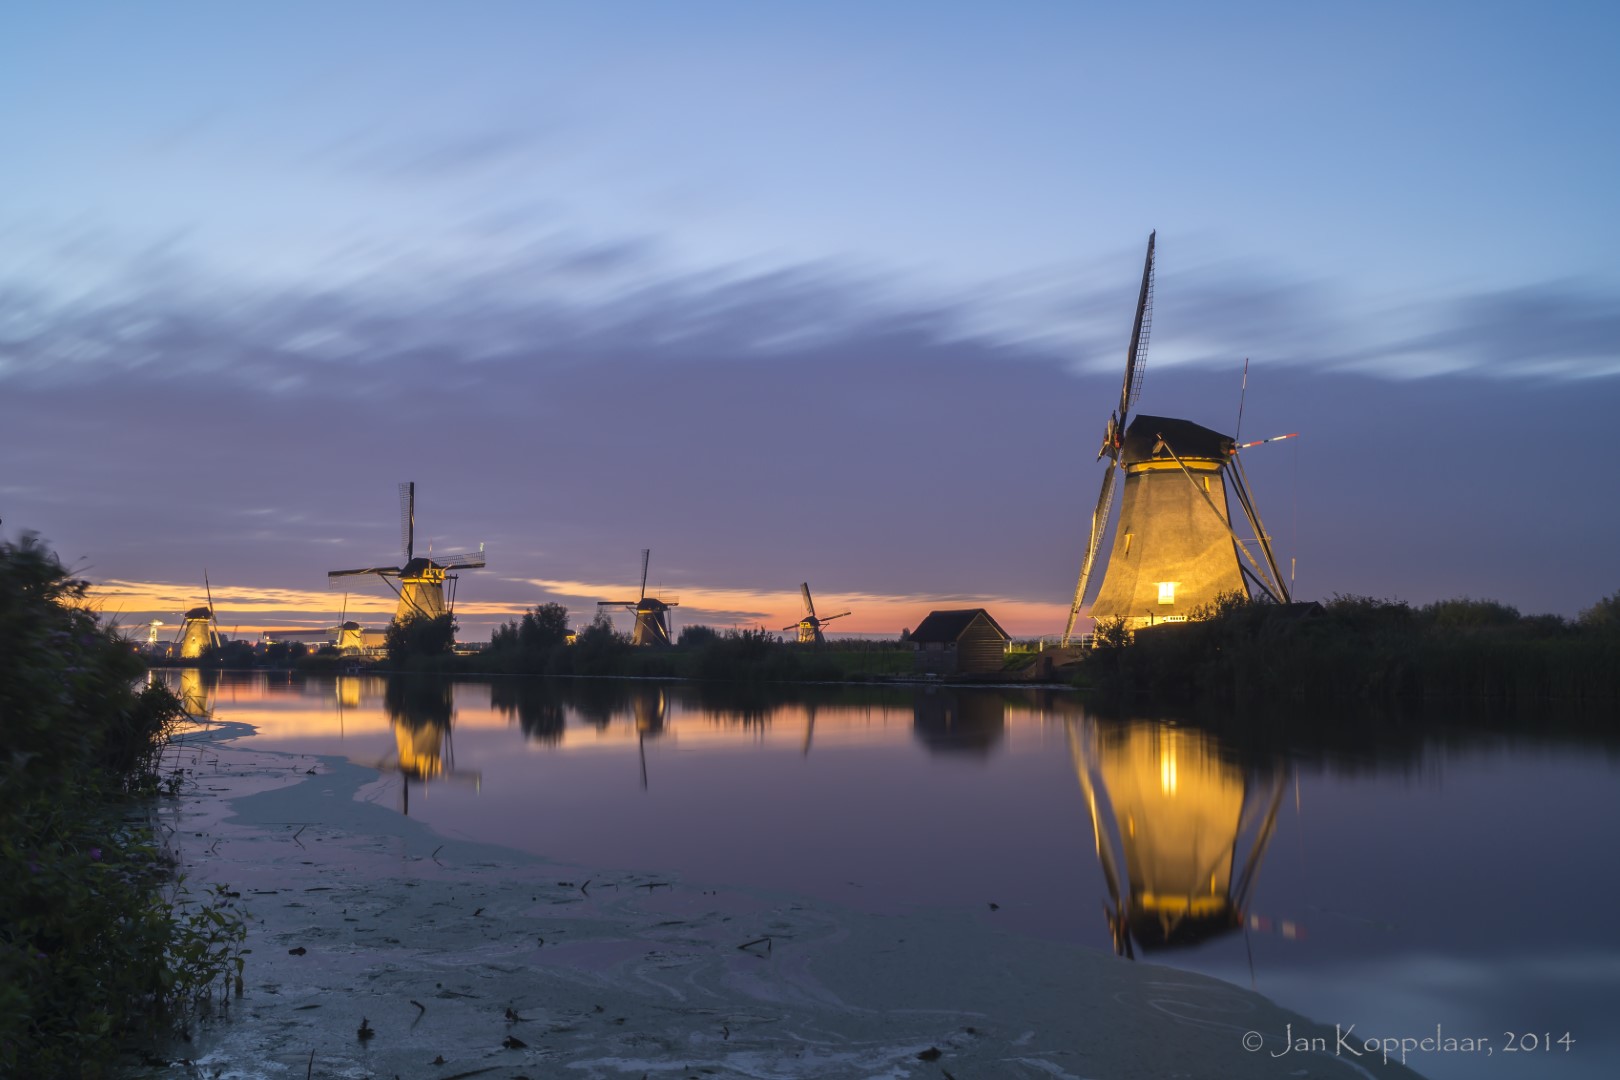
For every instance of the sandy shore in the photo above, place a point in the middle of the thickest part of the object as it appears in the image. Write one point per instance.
(437, 943)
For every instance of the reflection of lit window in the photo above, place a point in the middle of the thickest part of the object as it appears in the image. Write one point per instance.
(1167, 592)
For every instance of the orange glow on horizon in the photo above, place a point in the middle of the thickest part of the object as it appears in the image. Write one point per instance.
(872, 613)
(247, 610)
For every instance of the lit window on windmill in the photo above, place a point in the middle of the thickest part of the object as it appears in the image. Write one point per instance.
(1167, 592)
(1206, 485)
(1127, 550)
(1167, 770)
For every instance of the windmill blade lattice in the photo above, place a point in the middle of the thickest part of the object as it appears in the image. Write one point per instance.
(1114, 435)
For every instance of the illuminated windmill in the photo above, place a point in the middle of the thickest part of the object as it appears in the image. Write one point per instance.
(350, 637)
(652, 626)
(809, 627)
(1174, 549)
(199, 631)
(1180, 812)
(421, 580)
(347, 635)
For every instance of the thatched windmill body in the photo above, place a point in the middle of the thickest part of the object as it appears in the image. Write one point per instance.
(199, 630)
(809, 627)
(652, 625)
(1175, 548)
(421, 580)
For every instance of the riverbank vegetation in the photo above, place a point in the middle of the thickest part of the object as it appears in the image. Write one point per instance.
(1349, 650)
(99, 945)
(538, 644)
(1365, 651)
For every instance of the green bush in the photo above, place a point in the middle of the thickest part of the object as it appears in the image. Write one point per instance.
(419, 637)
(98, 945)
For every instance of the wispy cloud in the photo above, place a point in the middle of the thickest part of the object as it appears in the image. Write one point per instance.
(429, 156)
(561, 302)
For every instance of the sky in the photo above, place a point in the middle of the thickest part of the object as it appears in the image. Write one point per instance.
(830, 292)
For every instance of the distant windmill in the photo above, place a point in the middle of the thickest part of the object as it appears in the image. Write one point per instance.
(652, 627)
(421, 580)
(199, 631)
(1174, 549)
(809, 627)
(347, 635)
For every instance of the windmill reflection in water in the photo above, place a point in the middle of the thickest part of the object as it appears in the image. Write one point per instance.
(420, 713)
(1165, 798)
(195, 693)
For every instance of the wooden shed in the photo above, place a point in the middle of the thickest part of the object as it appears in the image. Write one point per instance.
(961, 642)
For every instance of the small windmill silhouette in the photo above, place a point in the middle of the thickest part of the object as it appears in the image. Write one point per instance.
(652, 626)
(809, 627)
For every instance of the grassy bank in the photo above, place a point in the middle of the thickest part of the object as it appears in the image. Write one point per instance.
(1363, 651)
(538, 645)
(100, 948)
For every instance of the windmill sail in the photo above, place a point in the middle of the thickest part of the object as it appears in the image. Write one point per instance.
(1113, 435)
(417, 581)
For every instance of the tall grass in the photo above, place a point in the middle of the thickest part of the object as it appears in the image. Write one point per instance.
(1358, 649)
(98, 944)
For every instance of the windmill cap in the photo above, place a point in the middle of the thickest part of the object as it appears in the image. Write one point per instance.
(1187, 439)
(200, 613)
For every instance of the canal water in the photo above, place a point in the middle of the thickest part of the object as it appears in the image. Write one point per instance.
(1462, 884)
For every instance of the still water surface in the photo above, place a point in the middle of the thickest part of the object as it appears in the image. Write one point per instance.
(1469, 882)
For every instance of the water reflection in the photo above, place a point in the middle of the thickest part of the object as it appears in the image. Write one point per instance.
(349, 690)
(536, 707)
(597, 701)
(195, 691)
(951, 722)
(649, 707)
(1386, 823)
(1178, 810)
(420, 711)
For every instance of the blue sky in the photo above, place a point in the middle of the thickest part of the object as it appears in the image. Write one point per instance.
(744, 266)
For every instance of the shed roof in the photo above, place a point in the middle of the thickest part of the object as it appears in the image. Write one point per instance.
(948, 626)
